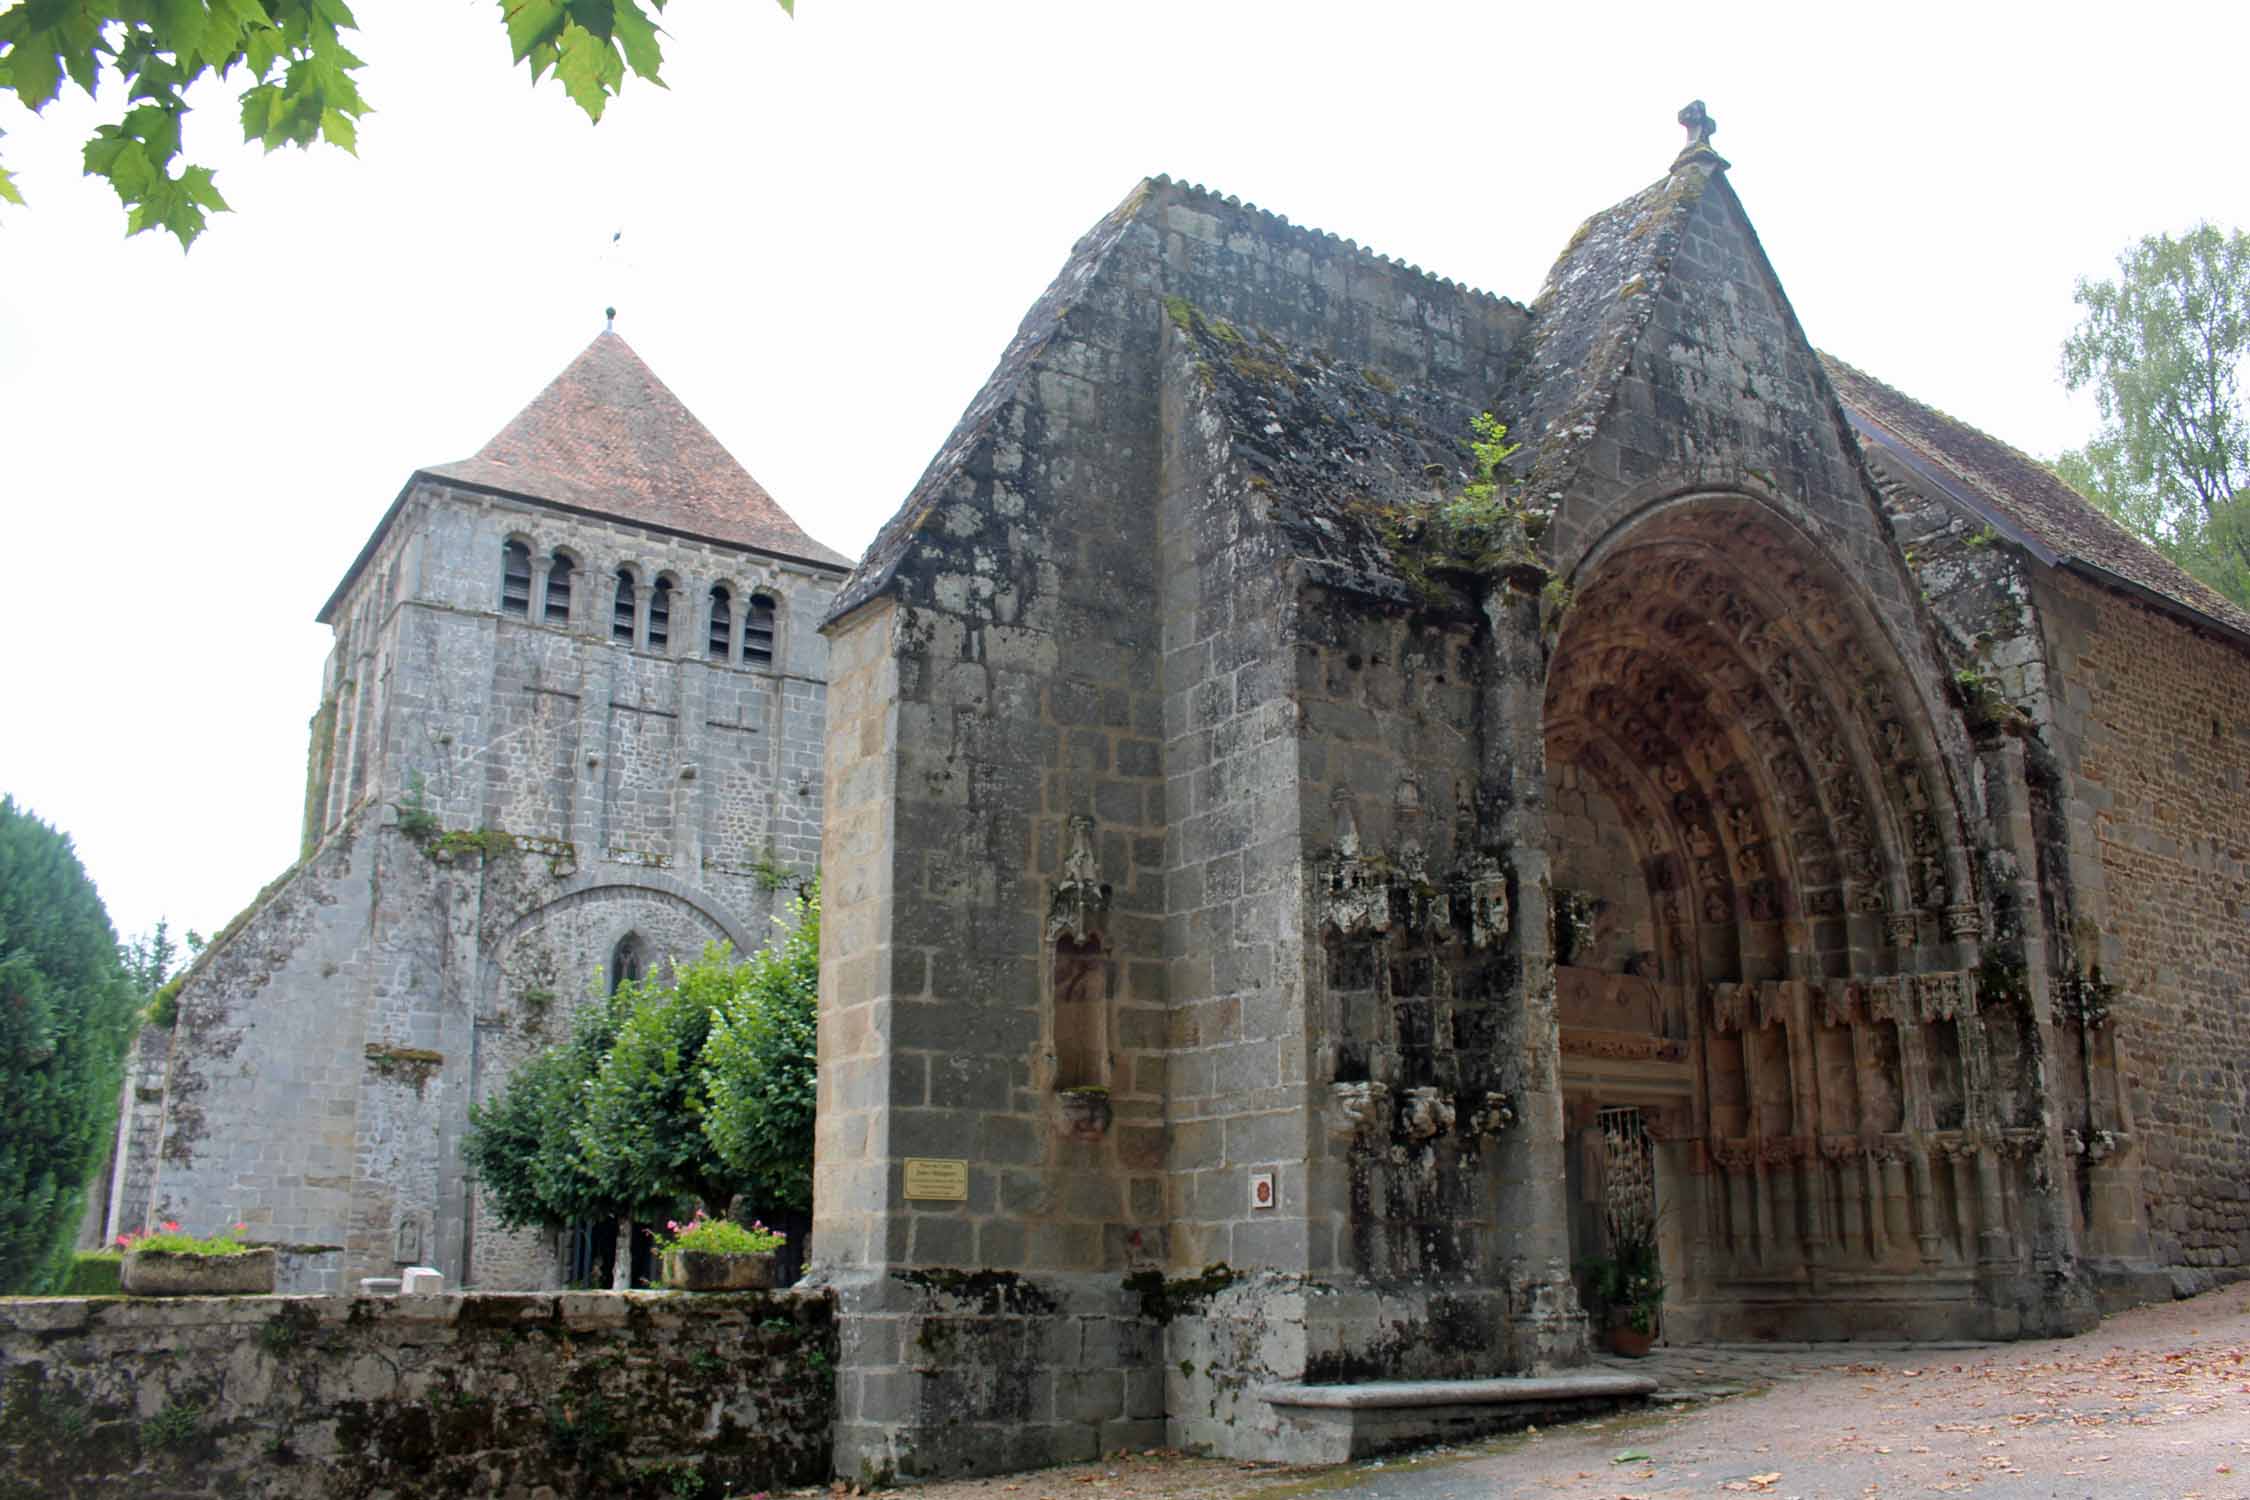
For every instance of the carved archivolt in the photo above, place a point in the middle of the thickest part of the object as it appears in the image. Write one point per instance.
(1718, 669)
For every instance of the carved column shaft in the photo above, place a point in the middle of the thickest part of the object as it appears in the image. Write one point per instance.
(1992, 1216)
(1512, 782)
(1925, 1204)
(1898, 1227)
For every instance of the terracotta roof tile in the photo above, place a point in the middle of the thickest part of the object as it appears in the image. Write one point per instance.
(1986, 473)
(610, 438)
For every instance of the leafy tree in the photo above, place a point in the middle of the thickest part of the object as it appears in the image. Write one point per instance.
(698, 1086)
(2163, 346)
(640, 1129)
(148, 959)
(522, 1145)
(298, 82)
(150, 962)
(66, 1017)
(760, 1064)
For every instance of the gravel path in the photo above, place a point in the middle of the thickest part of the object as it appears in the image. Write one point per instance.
(2154, 1403)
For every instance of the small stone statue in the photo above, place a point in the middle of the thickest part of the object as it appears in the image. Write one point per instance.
(1428, 1113)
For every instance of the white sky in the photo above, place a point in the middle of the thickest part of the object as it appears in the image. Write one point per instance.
(831, 228)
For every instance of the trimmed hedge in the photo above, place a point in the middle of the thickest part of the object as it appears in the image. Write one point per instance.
(94, 1274)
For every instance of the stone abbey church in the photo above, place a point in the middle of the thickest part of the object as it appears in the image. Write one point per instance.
(1282, 900)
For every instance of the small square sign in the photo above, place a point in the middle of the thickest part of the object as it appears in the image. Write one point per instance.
(1262, 1192)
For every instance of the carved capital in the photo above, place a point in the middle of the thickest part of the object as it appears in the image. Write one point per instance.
(1964, 923)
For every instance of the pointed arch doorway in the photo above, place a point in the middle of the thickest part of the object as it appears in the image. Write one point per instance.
(1765, 932)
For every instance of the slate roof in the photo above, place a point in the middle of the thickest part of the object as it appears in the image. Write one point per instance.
(609, 438)
(879, 564)
(1336, 454)
(1586, 320)
(2017, 494)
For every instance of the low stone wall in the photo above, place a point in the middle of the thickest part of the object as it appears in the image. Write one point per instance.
(530, 1395)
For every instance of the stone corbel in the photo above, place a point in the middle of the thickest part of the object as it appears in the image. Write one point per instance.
(1357, 1109)
(1495, 1114)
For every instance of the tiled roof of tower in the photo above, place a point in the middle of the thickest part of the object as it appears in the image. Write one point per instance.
(608, 437)
(2022, 493)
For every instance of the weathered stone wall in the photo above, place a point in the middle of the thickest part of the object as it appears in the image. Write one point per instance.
(1081, 968)
(2153, 721)
(497, 800)
(632, 1394)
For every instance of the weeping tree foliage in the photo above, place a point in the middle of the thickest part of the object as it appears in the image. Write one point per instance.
(66, 1018)
(697, 1086)
(2162, 344)
(286, 60)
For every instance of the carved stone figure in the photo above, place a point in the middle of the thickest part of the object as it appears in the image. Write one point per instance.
(1488, 902)
(1080, 897)
(1426, 1112)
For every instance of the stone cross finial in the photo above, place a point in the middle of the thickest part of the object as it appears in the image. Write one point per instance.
(1700, 126)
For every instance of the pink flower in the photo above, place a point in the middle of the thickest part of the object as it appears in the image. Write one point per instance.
(171, 1226)
(240, 1227)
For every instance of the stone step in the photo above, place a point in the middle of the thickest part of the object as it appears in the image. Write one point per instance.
(1337, 1423)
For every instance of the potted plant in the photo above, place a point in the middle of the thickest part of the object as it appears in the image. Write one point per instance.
(1626, 1287)
(718, 1255)
(169, 1263)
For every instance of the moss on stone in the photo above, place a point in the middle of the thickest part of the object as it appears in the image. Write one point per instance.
(1163, 1300)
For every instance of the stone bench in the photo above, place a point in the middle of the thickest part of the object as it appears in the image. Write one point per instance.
(1337, 1423)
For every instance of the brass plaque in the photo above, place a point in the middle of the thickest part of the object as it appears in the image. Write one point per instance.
(943, 1177)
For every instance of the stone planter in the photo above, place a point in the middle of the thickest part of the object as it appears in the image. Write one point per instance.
(1632, 1343)
(1085, 1113)
(166, 1273)
(716, 1271)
